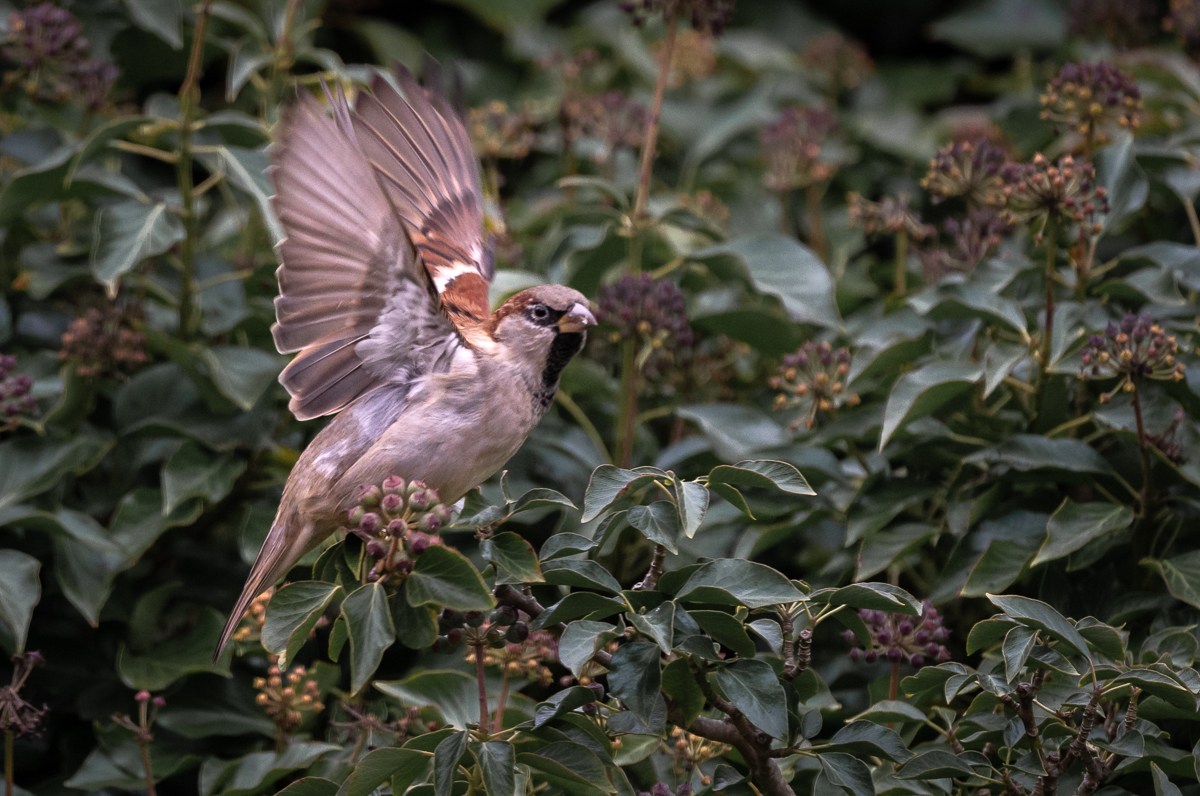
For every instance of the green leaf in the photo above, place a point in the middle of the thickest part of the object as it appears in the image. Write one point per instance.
(725, 629)
(1003, 27)
(1162, 785)
(1102, 638)
(445, 577)
(889, 712)
(936, 764)
(382, 765)
(577, 605)
(32, 465)
(192, 473)
(580, 641)
(176, 658)
(680, 685)
(781, 476)
(869, 739)
(292, 614)
(1039, 615)
(634, 677)
(754, 688)
(922, 392)
(565, 544)
(1117, 170)
(246, 170)
(735, 431)
(1031, 452)
(781, 266)
(580, 574)
(445, 762)
(1159, 682)
(1073, 525)
(848, 773)
(1182, 576)
(562, 703)
(999, 567)
(455, 694)
(571, 764)
(127, 233)
(371, 632)
(729, 581)
(242, 374)
(513, 558)
(659, 522)
(658, 625)
(693, 505)
(877, 597)
(160, 17)
(609, 483)
(986, 633)
(497, 761)
(1018, 643)
(20, 591)
(416, 625)
(310, 786)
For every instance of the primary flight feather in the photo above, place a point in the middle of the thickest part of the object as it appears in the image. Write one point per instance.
(383, 296)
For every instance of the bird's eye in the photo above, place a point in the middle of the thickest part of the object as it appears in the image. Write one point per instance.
(540, 312)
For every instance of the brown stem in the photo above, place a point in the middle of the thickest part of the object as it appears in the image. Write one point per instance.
(627, 419)
(894, 683)
(786, 226)
(148, 769)
(1131, 710)
(655, 572)
(9, 765)
(1144, 449)
(763, 770)
(189, 98)
(498, 722)
(816, 229)
(650, 142)
(1193, 220)
(1051, 236)
(479, 675)
(900, 281)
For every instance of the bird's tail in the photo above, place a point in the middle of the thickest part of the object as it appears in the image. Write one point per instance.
(276, 557)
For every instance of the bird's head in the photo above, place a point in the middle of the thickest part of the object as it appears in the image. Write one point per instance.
(546, 325)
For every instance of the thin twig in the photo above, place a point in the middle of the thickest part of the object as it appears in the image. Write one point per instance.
(650, 142)
(1051, 237)
(1144, 449)
(9, 765)
(189, 99)
(483, 707)
(655, 572)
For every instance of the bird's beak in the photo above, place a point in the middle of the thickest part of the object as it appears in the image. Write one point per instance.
(577, 319)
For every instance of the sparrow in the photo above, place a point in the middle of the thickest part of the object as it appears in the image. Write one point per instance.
(383, 296)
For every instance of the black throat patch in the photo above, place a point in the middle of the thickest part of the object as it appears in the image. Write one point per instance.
(565, 346)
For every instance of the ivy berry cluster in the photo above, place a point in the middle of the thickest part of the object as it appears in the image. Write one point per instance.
(398, 521)
(900, 638)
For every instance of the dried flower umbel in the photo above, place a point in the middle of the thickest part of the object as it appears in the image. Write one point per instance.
(814, 378)
(968, 169)
(51, 55)
(1166, 442)
(899, 638)
(690, 751)
(1091, 97)
(500, 133)
(693, 58)
(1134, 349)
(712, 16)
(651, 312)
(706, 207)
(103, 345)
(1122, 22)
(287, 697)
(891, 216)
(844, 64)
(18, 716)
(398, 522)
(15, 398)
(1042, 192)
(792, 148)
(975, 238)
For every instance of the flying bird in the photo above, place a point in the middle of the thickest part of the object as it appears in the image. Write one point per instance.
(383, 295)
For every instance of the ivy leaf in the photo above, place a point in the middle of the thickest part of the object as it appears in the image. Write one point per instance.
(292, 614)
(754, 688)
(680, 685)
(735, 431)
(580, 641)
(20, 591)
(126, 234)
(171, 660)
(693, 505)
(513, 558)
(1162, 785)
(609, 483)
(1031, 452)
(658, 624)
(571, 766)
(160, 17)
(310, 786)
(1182, 576)
(876, 597)
(659, 522)
(455, 694)
(732, 581)
(1018, 643)
(445, 762)
(922, 392)
(445, 577)
(583, 574)
(382, 765)
(577, 605)
(726, 630)
(1039, 615)
(371, 632)
(1073, 525)
(190, 472)
(635, 675)
(866, 738)
(497, 762)
(565, 544)
(936, 764)
(848, 773)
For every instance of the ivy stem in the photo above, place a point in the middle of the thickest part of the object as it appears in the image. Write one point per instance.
(498, 724)
(655, 572)
(816, 228)
(483, 708)
(189, 99)
(1143, 449)
(9, 765)
(1051, 236)
(900, 281)
(660, 89)
(148, 769)
(1193, 220)
(627, 418)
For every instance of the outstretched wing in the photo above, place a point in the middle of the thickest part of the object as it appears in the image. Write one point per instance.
(352, 298)
(422, 155)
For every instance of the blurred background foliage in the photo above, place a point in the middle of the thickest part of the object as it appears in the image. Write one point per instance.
(840, 260)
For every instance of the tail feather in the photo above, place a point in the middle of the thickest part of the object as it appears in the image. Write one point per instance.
(274, 560)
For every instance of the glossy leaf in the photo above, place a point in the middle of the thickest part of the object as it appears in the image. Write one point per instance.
(371, 632)
(634, 677)
(20, 592)
(292, 614)
(922, 392)
(445, 577)
(754, 688)
(1075, 524)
